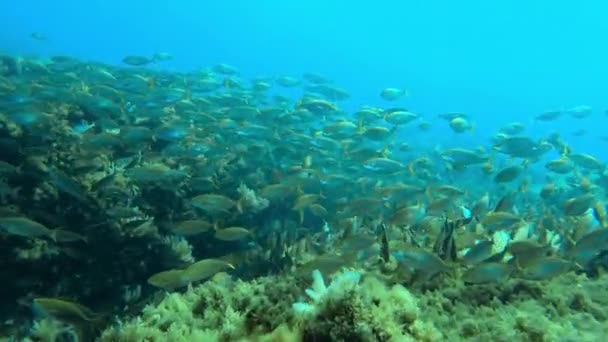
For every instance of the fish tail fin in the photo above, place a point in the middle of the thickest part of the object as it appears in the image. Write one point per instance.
(216, 225)
(410, 168)
(239, 205)
(53, 235)
(523, 186)
(151, 83)
(385, 152)
(428, 192)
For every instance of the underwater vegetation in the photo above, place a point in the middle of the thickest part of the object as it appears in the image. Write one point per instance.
(138, 204)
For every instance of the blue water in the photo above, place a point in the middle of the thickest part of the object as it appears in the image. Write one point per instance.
(498, 61)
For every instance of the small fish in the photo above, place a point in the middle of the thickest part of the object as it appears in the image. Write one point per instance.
(168, 280)
(579, 133)
(527, 252)
(549, 116)
(60, 235)
(287, 81)
(590, 245)
(547, 191)
(508, 174)
(439, 205)
(225, 69)
(600, 215)
(121, 212)
(28, 118)
(315, 78)
(400, 117)
(466, 212)
(577, 206)
(204, 269)
(135, 60)
(491, 272)
(7, 169)
(377, 133)
(445, 245)
(356, 243)
(513, 128)
(421, 260)
(171, 133)
(384, 165)
(304, 201)
(408, 215)
(23, 226)
(341, 129)
(191, 227)
(562, 165)
(449, 191)
(500, 219)
(506, 203)
(213, 204)
(392, 94)
(327, 264)
(461, 125)
(546, 268)
(38, 36)
(156, 173)
(83, 319)
(384, 246)
(162, 57)
(479, 253)
(103, 183)
(136, 134)
(482, 206)
(65, 310)
(318, 210)
(424, 125)
(587, 161)
(82, 127)
(232, 234)
(67, 185)
(276, 192)
(580, 112)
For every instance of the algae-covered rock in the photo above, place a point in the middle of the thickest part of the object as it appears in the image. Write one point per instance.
(261, 310)
(358, 306)
(566, 308)
(353, 310)
(218, 310)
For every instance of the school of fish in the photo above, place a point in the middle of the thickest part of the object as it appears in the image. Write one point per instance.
(128, 179)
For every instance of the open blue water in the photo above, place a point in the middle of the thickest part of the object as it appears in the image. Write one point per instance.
(498, 61)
